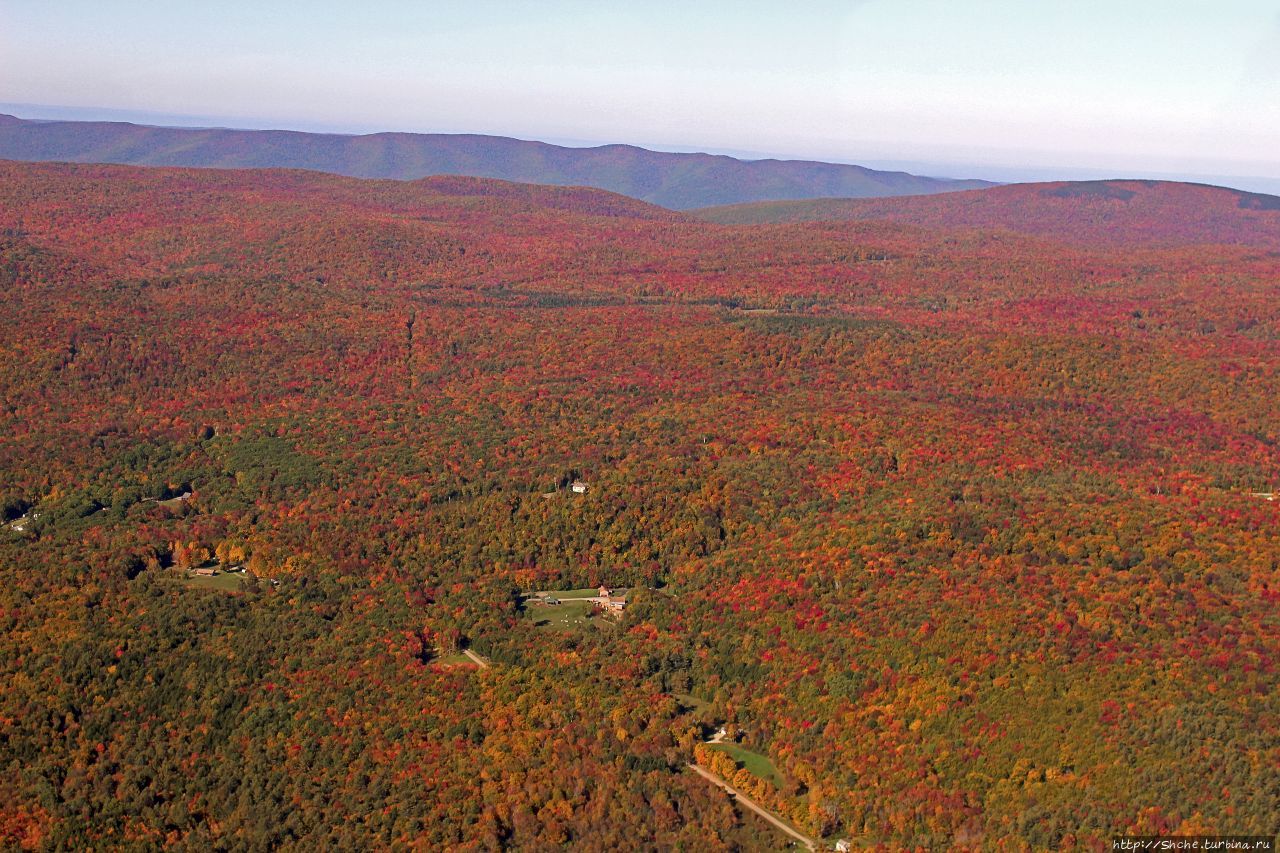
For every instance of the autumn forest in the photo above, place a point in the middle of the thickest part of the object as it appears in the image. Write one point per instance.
(954, 513)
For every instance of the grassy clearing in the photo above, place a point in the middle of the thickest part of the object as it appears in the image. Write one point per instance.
(692, 703)
(563, 617)
(570, 594)
(224, 581)
(754, 762)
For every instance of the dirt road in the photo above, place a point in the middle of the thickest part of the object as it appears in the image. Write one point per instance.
(751, 804)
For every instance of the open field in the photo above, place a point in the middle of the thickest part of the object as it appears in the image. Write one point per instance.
(693, 703)
(453, 659)
(571, 614)
(571, 594)
(225, 581)
(758, 764)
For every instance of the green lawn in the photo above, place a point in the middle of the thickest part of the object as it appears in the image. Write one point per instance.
(562, 617)
(757, 764)
(691, 702)
(568, 594)
(225, 581)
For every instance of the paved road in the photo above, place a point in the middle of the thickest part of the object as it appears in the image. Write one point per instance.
(751, 804)
(480, 662)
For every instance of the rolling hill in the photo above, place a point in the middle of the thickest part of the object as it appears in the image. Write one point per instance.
(1082, 212)
(678, 181)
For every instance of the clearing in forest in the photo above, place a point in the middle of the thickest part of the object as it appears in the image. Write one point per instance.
(755, 763)
(222, 580)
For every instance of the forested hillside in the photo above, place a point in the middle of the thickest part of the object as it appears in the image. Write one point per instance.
(963, 534)
(1086, 213)
(672, 180)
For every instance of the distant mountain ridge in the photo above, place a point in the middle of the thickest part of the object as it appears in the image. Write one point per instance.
(677, 181)
(1080, 212)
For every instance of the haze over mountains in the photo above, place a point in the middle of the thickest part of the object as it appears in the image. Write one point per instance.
(679, 181)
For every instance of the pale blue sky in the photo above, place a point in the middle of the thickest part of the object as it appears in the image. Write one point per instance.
(1178, 86)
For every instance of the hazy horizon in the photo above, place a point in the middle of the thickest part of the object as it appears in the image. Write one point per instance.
(1056, 89)
(994, 171)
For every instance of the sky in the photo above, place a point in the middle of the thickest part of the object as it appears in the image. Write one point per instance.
(1130, 87)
